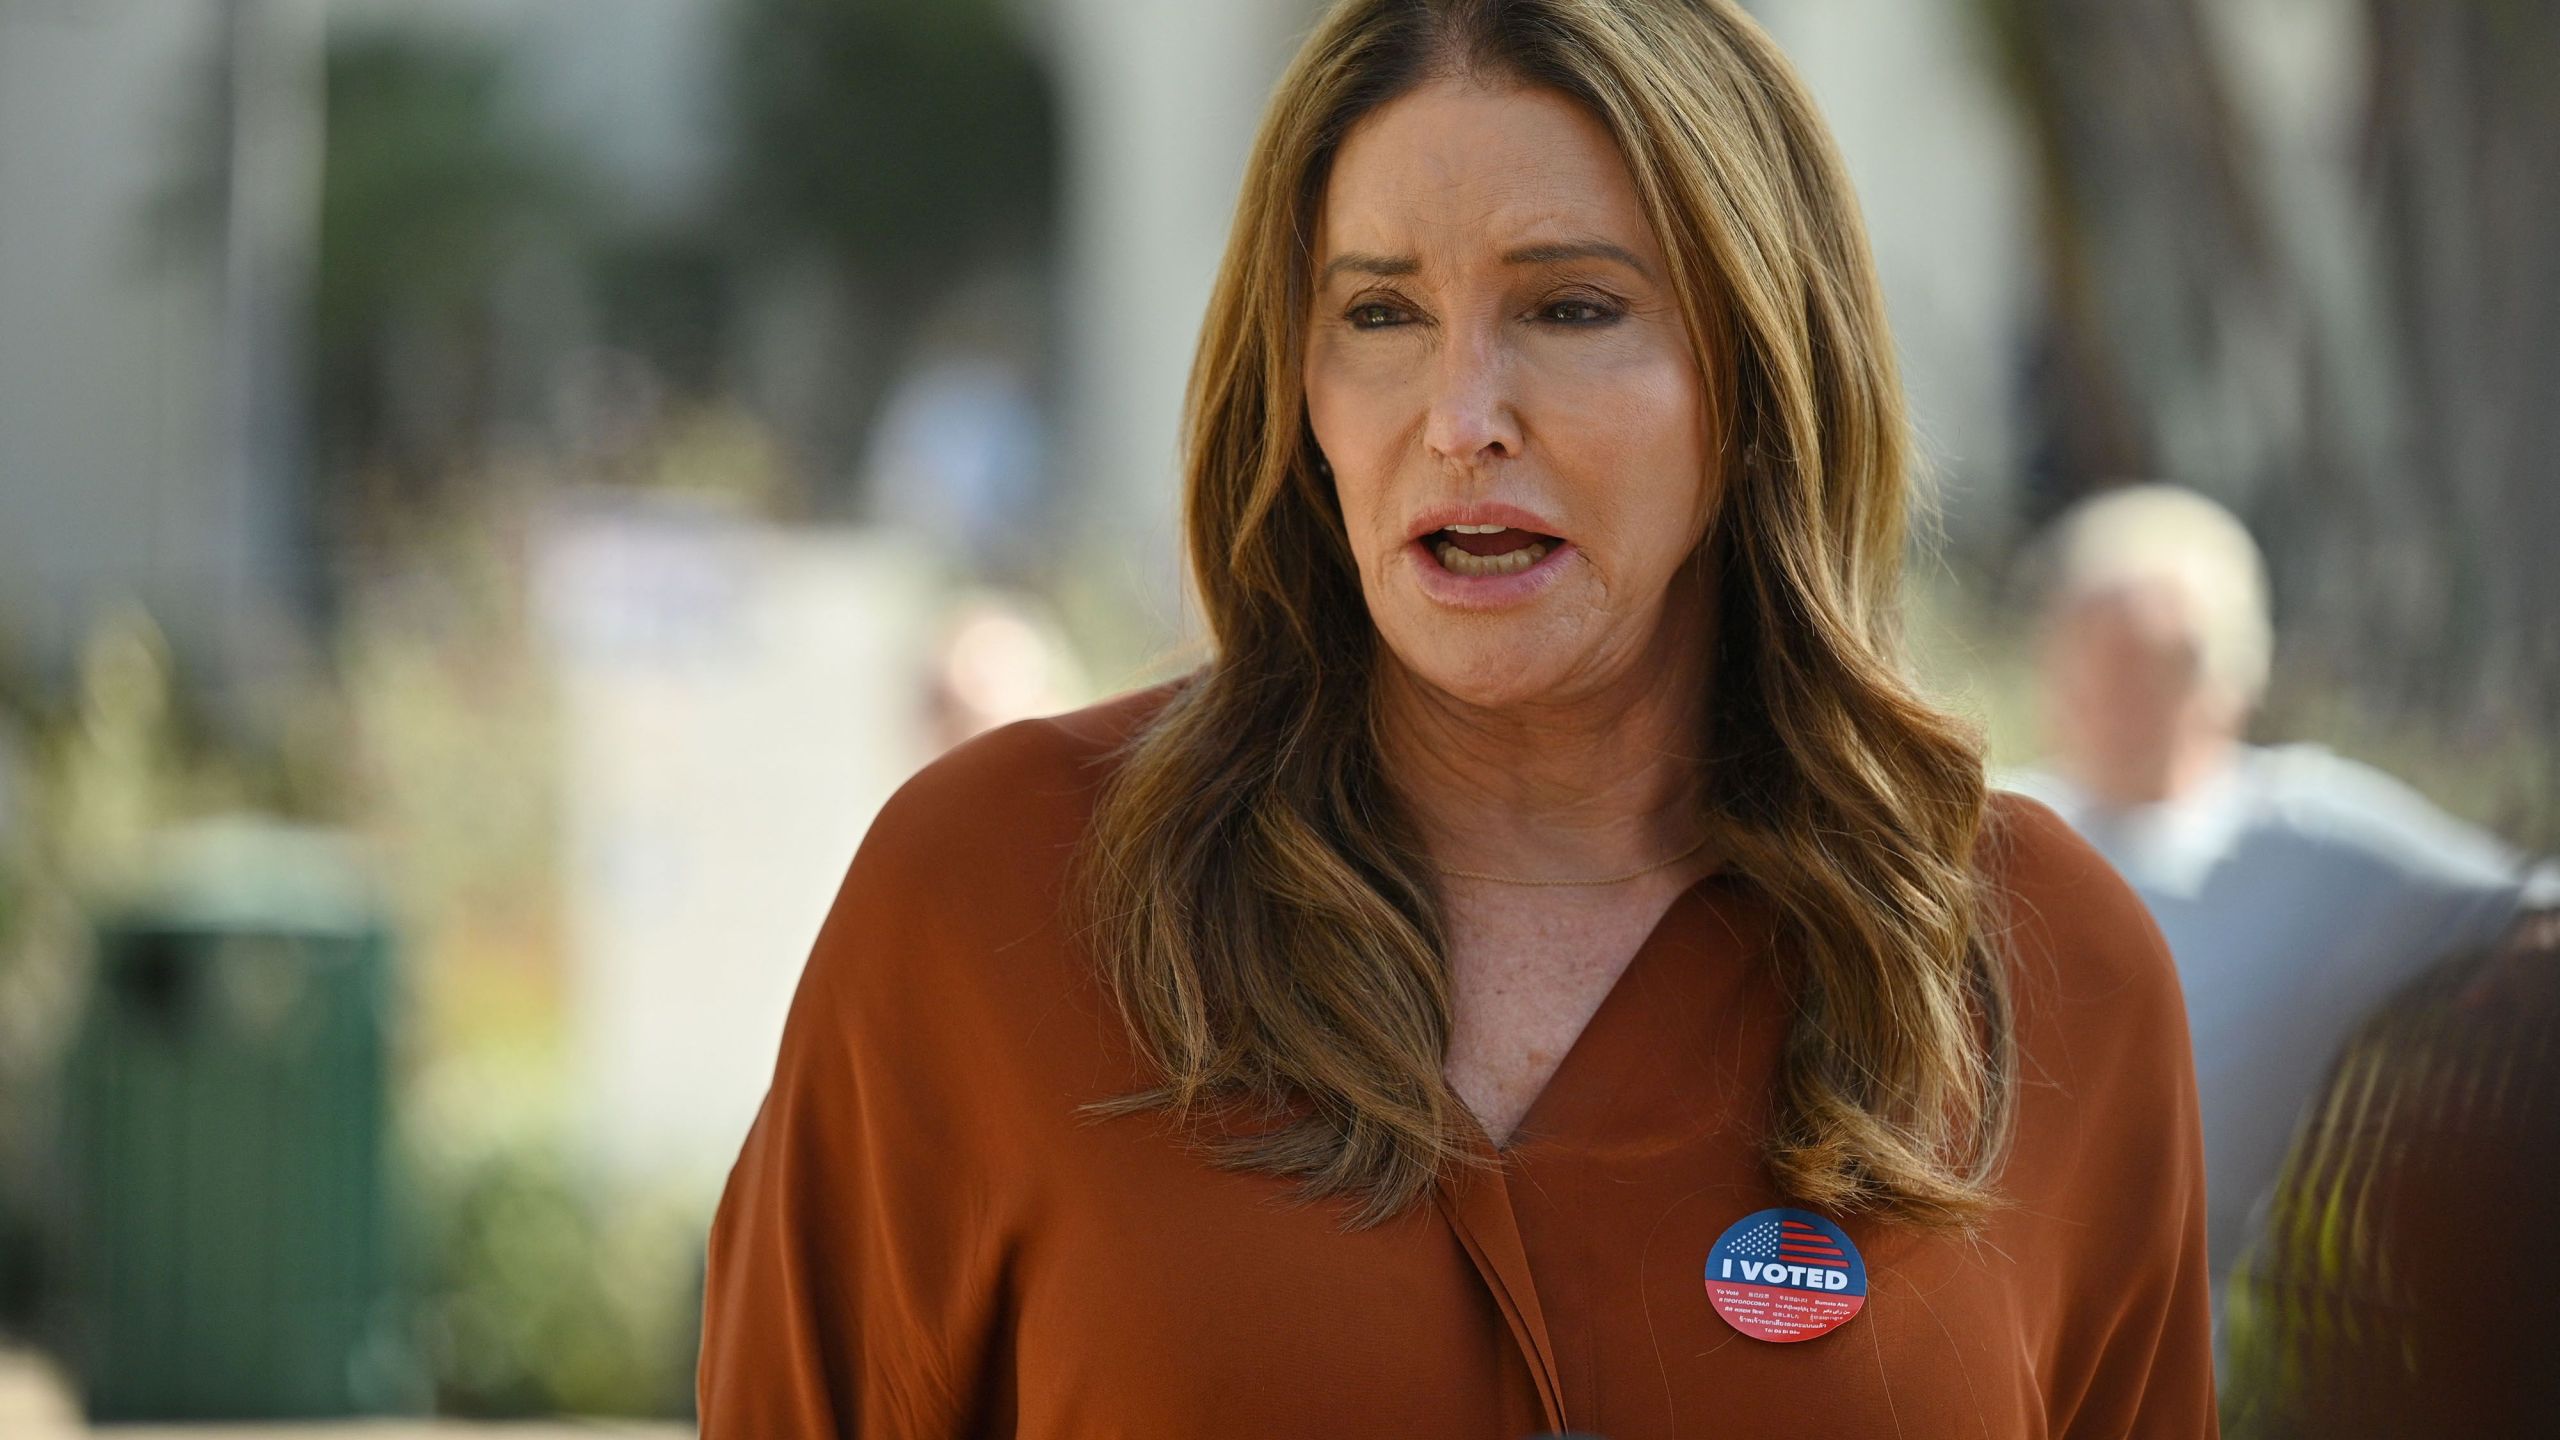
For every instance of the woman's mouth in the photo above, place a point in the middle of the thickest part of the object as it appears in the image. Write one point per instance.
(1484, 551)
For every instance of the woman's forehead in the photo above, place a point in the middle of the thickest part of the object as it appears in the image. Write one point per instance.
(1452, 173)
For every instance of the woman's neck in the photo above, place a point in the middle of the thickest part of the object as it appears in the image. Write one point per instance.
(1595, 783)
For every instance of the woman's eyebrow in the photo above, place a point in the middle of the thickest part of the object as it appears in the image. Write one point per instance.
(1576, 250)
(1362, 262)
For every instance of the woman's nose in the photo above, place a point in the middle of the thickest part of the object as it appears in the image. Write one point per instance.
(1474, 416)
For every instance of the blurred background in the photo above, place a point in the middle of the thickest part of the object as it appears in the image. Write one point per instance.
(493, 494)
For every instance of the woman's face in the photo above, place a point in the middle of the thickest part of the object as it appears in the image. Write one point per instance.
(1499, 375)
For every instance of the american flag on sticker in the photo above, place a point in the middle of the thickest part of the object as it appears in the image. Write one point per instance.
(1790, 1241)
(1799, 1243)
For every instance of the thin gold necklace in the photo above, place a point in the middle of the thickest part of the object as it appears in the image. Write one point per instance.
(1605, 880)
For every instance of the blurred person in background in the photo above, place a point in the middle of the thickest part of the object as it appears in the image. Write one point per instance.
(1550, 894)
(2297, 888)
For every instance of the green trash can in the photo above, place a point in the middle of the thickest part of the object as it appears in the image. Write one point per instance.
(232, 1240)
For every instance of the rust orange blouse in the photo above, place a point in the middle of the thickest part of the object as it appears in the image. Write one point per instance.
(921, 1237)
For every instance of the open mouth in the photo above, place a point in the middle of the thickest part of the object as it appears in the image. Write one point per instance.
(1485, 550)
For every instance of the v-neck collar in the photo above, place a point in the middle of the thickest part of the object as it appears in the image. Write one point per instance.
(1476, 1199)
(1593, 1040)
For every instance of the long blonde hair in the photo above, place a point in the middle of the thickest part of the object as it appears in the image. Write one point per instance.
(1253, 893)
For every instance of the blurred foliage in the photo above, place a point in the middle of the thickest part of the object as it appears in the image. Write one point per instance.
(434, 189)
(547, 1289)
(554, 1296)
(898, 148)
(896, 135)
(20, 1255)
(452, 717)
(546, 1286)
(667, 297)
(430, 185)
(433, 184)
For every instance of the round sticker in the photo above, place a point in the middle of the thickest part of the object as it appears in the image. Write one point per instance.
(1786, 1275)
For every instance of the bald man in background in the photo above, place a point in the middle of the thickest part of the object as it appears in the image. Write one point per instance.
(2298, 889)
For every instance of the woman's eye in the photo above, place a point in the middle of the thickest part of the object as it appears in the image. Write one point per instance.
(1579, 312)
(1380, 315)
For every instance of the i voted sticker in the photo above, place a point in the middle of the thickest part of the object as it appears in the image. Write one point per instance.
(1786, 1275)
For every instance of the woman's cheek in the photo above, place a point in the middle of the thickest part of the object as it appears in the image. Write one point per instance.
(1360, 395)
(1354, 360)
(1359, 486)
(1652, 405)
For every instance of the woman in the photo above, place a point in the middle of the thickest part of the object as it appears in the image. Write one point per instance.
(1549, 970)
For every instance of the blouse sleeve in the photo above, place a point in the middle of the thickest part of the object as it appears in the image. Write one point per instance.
(2139, 1363)
(849, 1287)
(2152, 1373)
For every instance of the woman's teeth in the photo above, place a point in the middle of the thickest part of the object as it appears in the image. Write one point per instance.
(1510, 562)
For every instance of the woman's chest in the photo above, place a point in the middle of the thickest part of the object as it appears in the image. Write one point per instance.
(1569, 1292)
(1526, 977)
(1153, 1294)
(1174, 1300)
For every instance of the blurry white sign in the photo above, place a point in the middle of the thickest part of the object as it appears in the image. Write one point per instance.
(737, 700)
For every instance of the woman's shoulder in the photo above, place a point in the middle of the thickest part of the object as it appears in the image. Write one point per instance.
(2034, 851)
(2079, 934)
(2106, 1114)
(1011, 794)
(964, 868)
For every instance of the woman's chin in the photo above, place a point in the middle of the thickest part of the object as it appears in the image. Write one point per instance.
(1484, 672)
(1539, 647)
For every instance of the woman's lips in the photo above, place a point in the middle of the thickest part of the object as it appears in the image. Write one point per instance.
(1479, 513)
